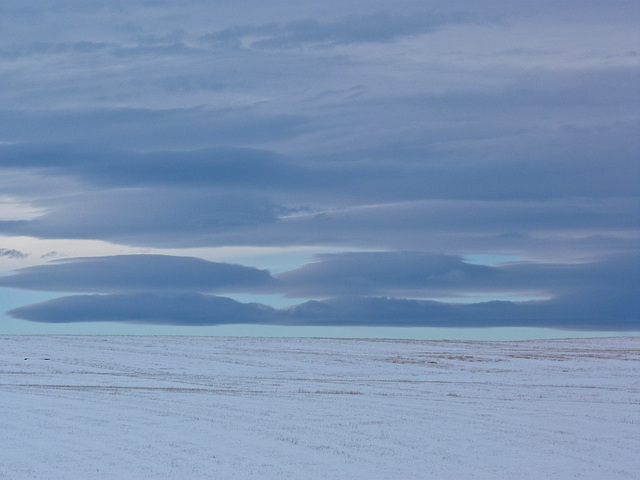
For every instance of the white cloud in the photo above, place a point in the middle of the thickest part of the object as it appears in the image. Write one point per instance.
(12, 208)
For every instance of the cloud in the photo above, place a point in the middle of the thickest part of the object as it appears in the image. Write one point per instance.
(153, 289)
(47, 48)
(12, 253)
(219, 166)
(196, 309)
(150, 128)
(421, 274)
(143, 216)
(601, 294)
(166, 309)
(425, 136)
(172, 217)
(532, 228)
(383, 273)
(384, 311)
(377, 27)
(517, 167)
(135, 273)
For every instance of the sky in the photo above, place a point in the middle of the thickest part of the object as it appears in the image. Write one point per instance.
(422, 169)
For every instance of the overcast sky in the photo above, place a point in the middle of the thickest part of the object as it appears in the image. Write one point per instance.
(328, 164)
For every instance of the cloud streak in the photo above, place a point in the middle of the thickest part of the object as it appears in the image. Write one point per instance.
(190, 309)
(12, 253)
(132, 273)
(356, 29)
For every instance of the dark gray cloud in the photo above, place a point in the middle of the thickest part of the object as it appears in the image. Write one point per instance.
(134, 273)
(515, 156)
(458, 165)
(383, 273)
(580, 295)
(196, 309)
(384, 311)
(596, 295)
(400, 274)
(554, 229)
(223, 167)
(143, 216)
(149, 308)
(423, 275)
(198, 217)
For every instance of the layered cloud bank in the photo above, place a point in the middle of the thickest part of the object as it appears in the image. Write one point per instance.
(473, 164)
(373, 288)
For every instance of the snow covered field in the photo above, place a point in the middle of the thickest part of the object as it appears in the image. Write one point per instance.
(247, 408)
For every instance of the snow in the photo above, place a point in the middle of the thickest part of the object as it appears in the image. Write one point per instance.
(255, 408)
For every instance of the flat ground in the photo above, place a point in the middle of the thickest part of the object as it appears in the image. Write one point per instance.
(247, 408)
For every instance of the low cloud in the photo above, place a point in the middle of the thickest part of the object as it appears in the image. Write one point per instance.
(195, 309)
(166, 309)
(135, 273)
(420, 274)
(352, 289)
(383, 273)
(564, 312)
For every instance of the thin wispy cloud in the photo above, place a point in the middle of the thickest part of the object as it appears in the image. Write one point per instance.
(12, 253)
(379, 27)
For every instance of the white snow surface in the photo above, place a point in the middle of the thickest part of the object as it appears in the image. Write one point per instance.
(129, 407)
